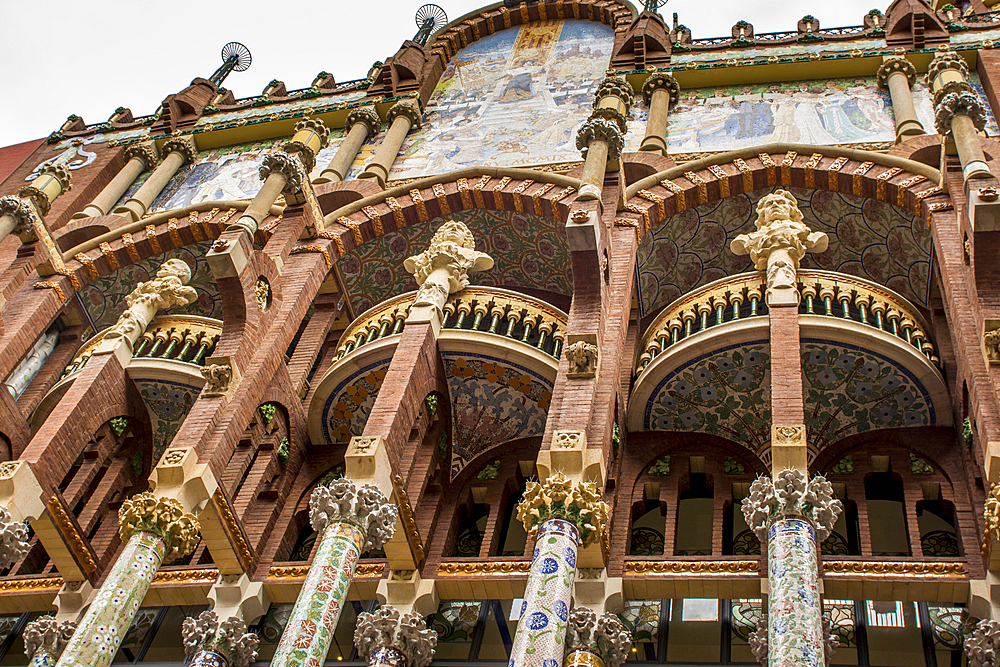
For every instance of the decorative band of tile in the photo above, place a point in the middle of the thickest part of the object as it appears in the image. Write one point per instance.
(849, 568)
(293, 572)
(701, 567)
(154, 243)
(519, 568)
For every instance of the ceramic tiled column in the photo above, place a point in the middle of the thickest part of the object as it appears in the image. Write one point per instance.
(596, 641)
(157, 532)
(562, 516)
(44, 640)
(350, 521)
(209, 643)
(386, 639)
(793, 516)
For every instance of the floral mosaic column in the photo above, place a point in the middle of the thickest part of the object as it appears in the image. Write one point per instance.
(157, 532)
(209, 643)
(351, 521)
(561, 516)
(44, 640)
(596, 642)
(385, 639)
(793, 515)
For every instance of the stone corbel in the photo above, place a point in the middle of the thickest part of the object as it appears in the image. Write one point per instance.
(236, 596)
(179, 475)
(228, 257)
(583, 355)
(595, 589)
(583, 230)
(570, 455)
(73, 599)
(984, 207)
(991, 341)
(408, 592)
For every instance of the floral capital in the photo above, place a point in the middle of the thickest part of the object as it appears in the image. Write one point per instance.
(896, 65)
(228, 638)
(444, 267)
(288, 166)
(659, 80)
(558, 497)
(47, 635)
(982, 647)
(163, 517)
(386, 629)
(953, 104)
(791, 495)
(602, 130)
(366, 115)
(13, 539)
(604, 636)
(365, 507)
(21, 211)
(143, 152)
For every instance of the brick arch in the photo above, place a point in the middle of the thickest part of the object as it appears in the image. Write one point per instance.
(472, 27)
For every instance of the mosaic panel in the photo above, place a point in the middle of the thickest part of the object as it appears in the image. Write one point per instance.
(349, 404)
(848, 390)
(868, 238)
(168, 404)
(512, 98)
(726, 393)
(493, 401)
(529, 251)
(455, 620)
(780, 51)
(322, 102)
(104, 299)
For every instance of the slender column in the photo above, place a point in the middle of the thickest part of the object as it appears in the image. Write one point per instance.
(593, 641)
(140, 158)
(209, 643)
(361, 123)
(982, 645)
(17, 214)
(384, 639)
(792, 516)
(561, 516)
(659, 91)
(403, 116)
(177, 153)
(602, 138)
(899, 75)
(44, 640)
(351, 521)
(958, 114)
(285, 171)
(26, 371)
(157, 532)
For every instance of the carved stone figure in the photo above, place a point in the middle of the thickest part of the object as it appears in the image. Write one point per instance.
(228, 638)
(780, 241)
(983, 645)
(48, 636)
(582, 358)
(444, 267)
(163, 517)
(991, 513)
(791, 495)
(559, 497)
(385, 630)
(13, 539)
(992, 340)
(168, 289)
(604, 636)
(217, 378)
(364, 507)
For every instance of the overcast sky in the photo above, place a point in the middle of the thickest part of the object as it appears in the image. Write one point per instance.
(61, 57)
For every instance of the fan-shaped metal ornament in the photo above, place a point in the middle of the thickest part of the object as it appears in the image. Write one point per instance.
(235, 58)
(428, 18)
(653, 5)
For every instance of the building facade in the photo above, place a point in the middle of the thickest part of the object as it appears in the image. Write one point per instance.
(563, 338)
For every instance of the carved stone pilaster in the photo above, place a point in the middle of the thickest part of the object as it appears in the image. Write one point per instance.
(45, 635)
(144, 152)
(955, 103)
(604, 636)
(386, 630)
(780, 241)
(896, 65)
(604, 130)
(408, 109)
(162, 517)
(302, 149)
(558, 497)
(791, 495)
(365, 507)
(982, 647)
(21, 211)
(182, 145)
(229, 638)
(288, 165)
(366, 115)
(444, 267)
(759, 646)
(168, 289)
(659, 80)
(13, 539)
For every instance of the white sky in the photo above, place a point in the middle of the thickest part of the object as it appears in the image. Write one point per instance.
(60, 57)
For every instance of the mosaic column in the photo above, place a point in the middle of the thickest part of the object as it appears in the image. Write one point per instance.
(958, 114)
(759, 647)
(899, 75)
(384, 639)
(982, 645)
(361, 123)
(659, 91)
(44, 640)
(602, 138)
(17, 213)
(140, 157)
(403, 116)
(209, 643)
(793, 515)
(561, 516)
(593, 641)
(350, 521)
(157, 532)
(176, 153)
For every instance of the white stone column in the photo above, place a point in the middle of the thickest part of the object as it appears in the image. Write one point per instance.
(958, 114)
(139, 158)
(361, 123)
(177, 153)
(659, 91)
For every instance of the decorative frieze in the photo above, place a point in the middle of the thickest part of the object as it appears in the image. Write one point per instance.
(386, 631)
(558, 497)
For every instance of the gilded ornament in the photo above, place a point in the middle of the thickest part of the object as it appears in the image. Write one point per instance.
(558, 497)
(233, 528)
(80, 548)
(163, 517)
(724, 567)
(463, 569)
(409, 522)
(982, 645)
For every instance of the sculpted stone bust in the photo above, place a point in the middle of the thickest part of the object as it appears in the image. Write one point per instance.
(168, 289)
(780, 241)
(444, 267)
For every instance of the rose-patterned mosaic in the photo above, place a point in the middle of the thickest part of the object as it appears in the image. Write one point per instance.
(529, 251)
(868, 238)
(347, 408)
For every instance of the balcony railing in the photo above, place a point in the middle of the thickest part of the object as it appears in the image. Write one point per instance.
(485, 309)
(823, 293)
(185, 338)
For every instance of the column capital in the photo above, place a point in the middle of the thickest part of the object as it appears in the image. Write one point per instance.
(444, 267)
(407, 108)
(146, 152)
(559, 498)
(13, 539)
(605, 636)
(954, 103)
(162, 517)
(891, 65)
(183, 145)
(22, 212)
(289, 166)
(613, 101)
(228, 638)
(47, 635)
(791, 494)
(983, 644)
(407, 635)
(366, 115)
(311, 136)
(604, 130)
(365, 507)
(658, 80)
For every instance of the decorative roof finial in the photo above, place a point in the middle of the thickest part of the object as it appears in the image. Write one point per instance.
(429, 18)
(653, 6)
(235, 58)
